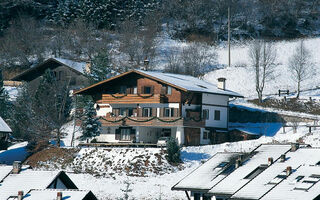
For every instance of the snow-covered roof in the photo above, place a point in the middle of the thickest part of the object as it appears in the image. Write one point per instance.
(49, 194)
(79, 66)
(271, 176)
(238, 178)
(26, 180)
(4, 171)
(190, 83)
(182, 82)
(4, 126)
(208, 174)
(304, 183)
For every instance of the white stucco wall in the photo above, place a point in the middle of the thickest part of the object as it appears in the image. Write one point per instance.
(214, 99)
(107, 137)
(102, 111)
(223, 122)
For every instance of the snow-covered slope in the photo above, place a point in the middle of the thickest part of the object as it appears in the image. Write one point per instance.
(241, 79)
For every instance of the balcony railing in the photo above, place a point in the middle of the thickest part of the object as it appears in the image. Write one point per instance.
(130, 98)
(152, 121)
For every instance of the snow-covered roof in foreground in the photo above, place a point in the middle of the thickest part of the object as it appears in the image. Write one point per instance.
(205, 177)
(4, 171)
(236, 179)
(4, 126)
(26, 180)
(271, 176)
(79, 66)
(49, 194)
(304, 183)
(190, 83)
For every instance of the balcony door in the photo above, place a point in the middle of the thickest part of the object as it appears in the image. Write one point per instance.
(125, 134)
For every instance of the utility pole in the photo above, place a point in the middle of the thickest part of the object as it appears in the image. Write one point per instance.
(229, 53)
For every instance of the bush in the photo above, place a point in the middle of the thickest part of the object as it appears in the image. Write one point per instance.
(173, 150)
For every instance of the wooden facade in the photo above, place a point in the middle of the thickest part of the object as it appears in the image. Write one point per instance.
(142, 103)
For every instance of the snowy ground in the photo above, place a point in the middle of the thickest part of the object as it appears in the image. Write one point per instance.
(154, 186)
(16, 152)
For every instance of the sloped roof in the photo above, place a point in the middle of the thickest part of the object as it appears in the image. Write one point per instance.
(236, 180)
(208, 174)
(4, 126)
(291, 188)
(267, 180)
(182, 82)
(26, 180)
(49, 194)
(4, 171)
(51, 63)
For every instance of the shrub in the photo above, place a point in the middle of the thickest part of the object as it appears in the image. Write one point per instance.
(173, 150)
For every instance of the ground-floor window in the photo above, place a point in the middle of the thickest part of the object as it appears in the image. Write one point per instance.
(125, 134)
(196, 196)
(205, 135)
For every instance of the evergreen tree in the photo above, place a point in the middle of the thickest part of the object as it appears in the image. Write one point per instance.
(4, 100)
(91, 124)
(173, 150)
(100, 68)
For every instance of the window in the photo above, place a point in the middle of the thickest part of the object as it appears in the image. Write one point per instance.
(205, 114)
(255, 172)
(205, 135)
(130, 111)
(222, 164)
(147, 90)
(123, 111)
(168, 112)
(196, 196)
(169, 90)
(123, 89)
(217, 115)
(125, 133)
(146, 112)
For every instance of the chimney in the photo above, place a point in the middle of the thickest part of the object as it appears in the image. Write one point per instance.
(59, 195)
(283, 157)
(16, 168)
(238, 163)
(270, 161)
(20, 195)
(294, 147)
(88, 67)
(222, 83)
(288, 170)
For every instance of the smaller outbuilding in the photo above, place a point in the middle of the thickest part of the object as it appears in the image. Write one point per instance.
(5, 131)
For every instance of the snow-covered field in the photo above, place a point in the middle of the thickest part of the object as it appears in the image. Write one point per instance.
(241, 79)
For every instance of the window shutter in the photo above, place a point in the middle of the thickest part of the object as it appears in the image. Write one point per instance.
(153, 112)
(161, 112)
(139, 112)
(175, 112)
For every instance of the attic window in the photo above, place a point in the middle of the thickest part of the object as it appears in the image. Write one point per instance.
(255, 172)
(202, 86)
(299, 178)
(222, 165)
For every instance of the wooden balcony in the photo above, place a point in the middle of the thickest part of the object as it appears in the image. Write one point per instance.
(151, 121)
(129, 98)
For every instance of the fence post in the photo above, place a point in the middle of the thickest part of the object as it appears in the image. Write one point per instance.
(279, 92)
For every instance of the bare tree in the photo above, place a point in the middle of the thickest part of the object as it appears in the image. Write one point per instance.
(300, 65)
(262, 55)
(138, 42)
(197, 59)
(23, 43)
